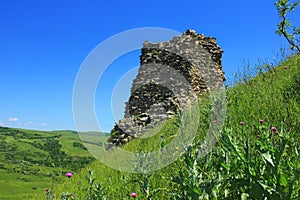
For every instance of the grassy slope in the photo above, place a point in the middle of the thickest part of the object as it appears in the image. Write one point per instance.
(272, 96)
(25, 166)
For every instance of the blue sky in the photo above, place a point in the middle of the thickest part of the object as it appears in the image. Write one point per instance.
(43, 44)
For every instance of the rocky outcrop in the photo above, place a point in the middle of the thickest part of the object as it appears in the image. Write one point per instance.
(172, 74)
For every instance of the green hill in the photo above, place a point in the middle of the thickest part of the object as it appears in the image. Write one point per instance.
(32, 160)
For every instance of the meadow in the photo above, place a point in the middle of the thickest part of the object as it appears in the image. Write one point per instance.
(255, 155)
(32, 160)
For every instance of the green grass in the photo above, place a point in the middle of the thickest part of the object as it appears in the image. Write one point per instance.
(271, 96)
(25, 162)
(247, 161)
(20, 186)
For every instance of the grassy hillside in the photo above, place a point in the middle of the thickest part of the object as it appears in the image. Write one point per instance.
(32, 160)
(256, 155)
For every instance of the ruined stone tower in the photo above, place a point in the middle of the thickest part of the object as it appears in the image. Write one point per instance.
(172, 75)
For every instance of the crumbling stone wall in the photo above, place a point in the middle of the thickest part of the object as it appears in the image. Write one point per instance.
(172, 74)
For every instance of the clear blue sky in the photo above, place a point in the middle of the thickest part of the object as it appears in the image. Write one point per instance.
(43, 43)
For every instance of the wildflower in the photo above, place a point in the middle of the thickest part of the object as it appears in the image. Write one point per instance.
(69, 174)
(225, 97)
(285, 67)
(258, 136)
(276, 133)
(133, 195)
(261, 121)
(215, 121)
(46, 189)
(273, 128)
(242, 123)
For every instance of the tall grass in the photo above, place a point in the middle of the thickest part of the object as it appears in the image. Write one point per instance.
(255, 159)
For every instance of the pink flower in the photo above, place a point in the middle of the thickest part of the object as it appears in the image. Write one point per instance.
(69, 174)
(215, 121)
(273, 128)
(261, 121)
(133, 195)
(46, 189)
(242, 123)
(258, 136)
(276, 133)
(285, 67)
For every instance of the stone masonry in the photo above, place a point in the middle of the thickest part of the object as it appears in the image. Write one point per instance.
(171, 76)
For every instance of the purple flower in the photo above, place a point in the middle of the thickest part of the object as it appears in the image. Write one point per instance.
(273, 128)
(261, 121)
(276, 133)
(46, 189)
(69, 174)
(133, 195)
(242, 123)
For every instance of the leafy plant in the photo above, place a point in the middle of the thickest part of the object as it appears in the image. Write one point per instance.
(248, 166)
(94, 191)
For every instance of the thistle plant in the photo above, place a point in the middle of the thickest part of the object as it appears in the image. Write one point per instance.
(94, 191)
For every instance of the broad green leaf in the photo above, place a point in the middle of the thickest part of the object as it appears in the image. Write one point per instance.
(268, 158)
(224, 165)
(252, 171)
(244, 196)
(282, 180)
(196, 190)
(265, 185)
(176, 180)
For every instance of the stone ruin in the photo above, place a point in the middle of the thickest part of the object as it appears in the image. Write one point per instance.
(171, 76)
